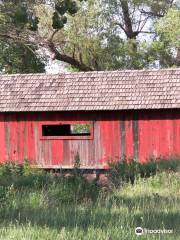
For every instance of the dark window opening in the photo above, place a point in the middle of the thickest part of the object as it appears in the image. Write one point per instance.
(66, 130)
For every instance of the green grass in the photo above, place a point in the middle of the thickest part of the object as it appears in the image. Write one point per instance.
(72, 209)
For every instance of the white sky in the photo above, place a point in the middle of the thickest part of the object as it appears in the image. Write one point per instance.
(55, 67)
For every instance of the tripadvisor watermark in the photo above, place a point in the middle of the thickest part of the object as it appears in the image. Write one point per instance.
(140, 231)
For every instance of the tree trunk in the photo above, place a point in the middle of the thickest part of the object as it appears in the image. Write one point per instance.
(68, 59)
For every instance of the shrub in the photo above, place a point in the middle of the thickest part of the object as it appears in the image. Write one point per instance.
(10, 168)
(148, 169)
(63, 188)
(127, 170)
(165, 164)
(21, 175)
(123, 171)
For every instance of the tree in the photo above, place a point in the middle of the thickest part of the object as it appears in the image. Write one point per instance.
(136, 19)
(113, 34)
(92, 35)
(171, 35)
(16, 58)
(18, 39)
(51, 35)
(17, 55)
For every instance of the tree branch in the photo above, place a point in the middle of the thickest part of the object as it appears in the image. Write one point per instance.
(127, 20)
(177, 59)
(52, 36)
(143, 24)
(151, 14)
(121, 26)
(148, 32)
(68, 59)
(8, 36)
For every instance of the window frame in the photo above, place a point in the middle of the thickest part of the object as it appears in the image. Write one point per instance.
(78, 137)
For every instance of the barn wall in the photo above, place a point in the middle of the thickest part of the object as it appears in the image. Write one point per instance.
(132, 133)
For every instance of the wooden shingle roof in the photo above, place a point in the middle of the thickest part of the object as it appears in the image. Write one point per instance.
(112, 90)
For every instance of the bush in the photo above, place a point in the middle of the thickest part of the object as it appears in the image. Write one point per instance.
(63, 188)
(21, 175)
(128, 170)
(123, 171)
(10, 168)
(73, 189)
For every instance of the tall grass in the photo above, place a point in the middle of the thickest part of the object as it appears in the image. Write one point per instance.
(38, 205)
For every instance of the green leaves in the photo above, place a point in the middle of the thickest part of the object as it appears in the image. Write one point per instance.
(20, 15)
(57, 22)
(17, 58)
(68, 6)
(169, 27)
(33, 24)
(61, 8)
(73, 8)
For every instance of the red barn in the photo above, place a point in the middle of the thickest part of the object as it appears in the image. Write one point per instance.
(132, 113)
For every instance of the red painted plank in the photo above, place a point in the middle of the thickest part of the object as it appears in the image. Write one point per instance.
(129, 137)
(2, 140)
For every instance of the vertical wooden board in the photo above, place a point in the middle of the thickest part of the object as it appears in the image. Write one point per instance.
(177, 134)
(165, 137)
(46, 152)
(37, 143)
(42, 149)
(13, 138)
(149, 135)
(19, 160)
(116, 140)
(57, 152)
(91, 153)
(79, 148)
(32, 141)
(21, 143)
(152, 138)
(104, 131)
(25, 145)
(174, 137)
(88, 149)
(159, 137)
(74, 150)
(129, 136)
(155, 137)
(123, 137)
(2, 139)
(7, 137)
(107, 141)
(110, 140)
(42, 146)
(98, 143)
(135, 126)
(66, 153)
(83, 150)
(162, 127)
(143, 138)
(171, 136)
(167, 133)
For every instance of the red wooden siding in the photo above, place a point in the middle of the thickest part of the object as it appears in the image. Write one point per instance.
(139, 134)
